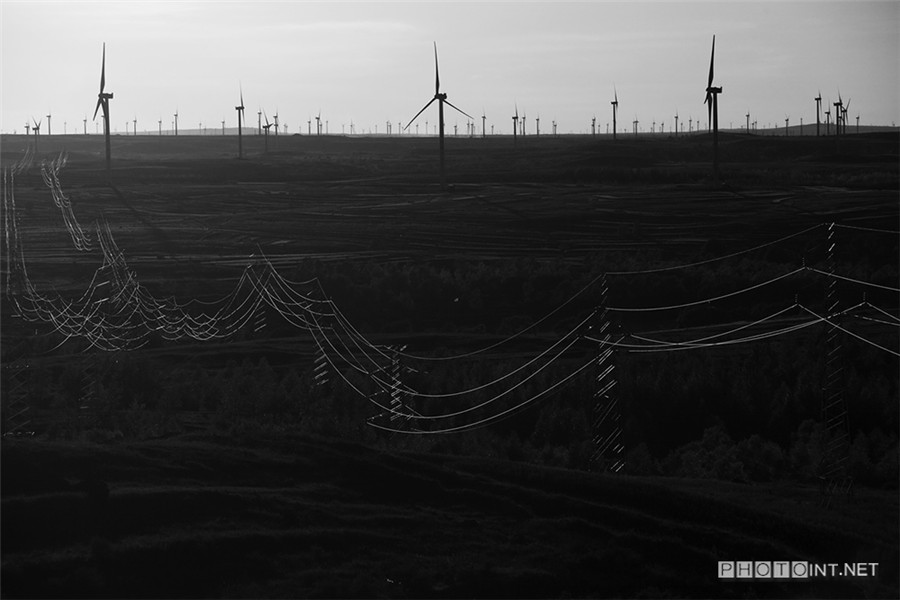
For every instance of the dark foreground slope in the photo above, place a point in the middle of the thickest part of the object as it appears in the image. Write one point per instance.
(201, 516)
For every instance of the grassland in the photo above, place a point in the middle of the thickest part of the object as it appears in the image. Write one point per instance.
(312, 517)
(206, 508)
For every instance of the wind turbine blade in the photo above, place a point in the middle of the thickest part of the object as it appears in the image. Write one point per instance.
(99, 102)
(517, 110)
(463, 112)
(419, 113)
(437, 77)
(615, 95)
(712, 58)
(242, 96)
(103, 71)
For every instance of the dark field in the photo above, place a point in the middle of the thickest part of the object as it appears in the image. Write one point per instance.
(230, 473)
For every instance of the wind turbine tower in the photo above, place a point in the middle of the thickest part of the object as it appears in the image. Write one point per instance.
(712, 100)
(818, 100)
(240, 114)
(483, 117)
(837, 115)
(37, 132)
(676, 123)
(615, 109)
(103, 99)
(515, 124)
(48, 123)
(442, 99)
(176, 121)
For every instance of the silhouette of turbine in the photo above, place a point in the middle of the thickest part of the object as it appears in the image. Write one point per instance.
(266, 128)
(615, 108)
(103, 99)
(712, 100)
(442, 99)
(515, 123)
(240, 114)
(37, 131)
(818, 100)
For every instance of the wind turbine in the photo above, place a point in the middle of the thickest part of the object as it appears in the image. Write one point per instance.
(537, 130)
(135, 125)
(712, 100)
(818, 100)
(515, 123)
(266, 129)
(176, 121)
(748, 121)
(676, 122)
(442, 99)
(37, 131)
(48, 123)
(85, 124)
(837, 114)
(483, 117)
(103, 100)
(787, 120)
(615, 107)
(319, 123)
(275, 123)
(594, 125)
(844, 111)
(240, 113)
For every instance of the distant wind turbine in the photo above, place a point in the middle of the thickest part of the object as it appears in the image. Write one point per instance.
(37, 131)
(442, 99)
(818, 100)
(240, 114)
(176, 121)
(103, 99)
(712, 100)
(266, 129)
(515, 124)
(615, 109)
(48, 122)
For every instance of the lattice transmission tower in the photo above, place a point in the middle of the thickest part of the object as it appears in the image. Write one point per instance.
(833, 467)
(608, 438)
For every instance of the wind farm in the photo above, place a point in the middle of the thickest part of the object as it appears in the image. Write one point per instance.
(415, 359)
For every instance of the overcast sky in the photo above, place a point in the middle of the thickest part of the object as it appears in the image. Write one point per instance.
(371, 62)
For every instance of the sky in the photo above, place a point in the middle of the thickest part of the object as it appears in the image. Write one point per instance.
(373, 62)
